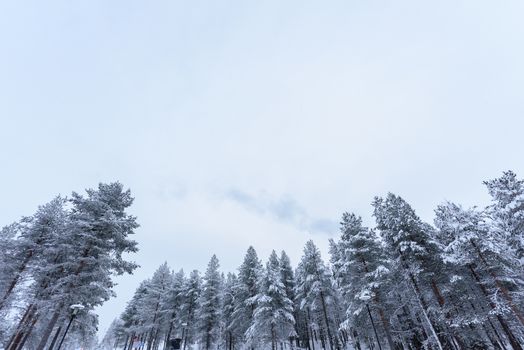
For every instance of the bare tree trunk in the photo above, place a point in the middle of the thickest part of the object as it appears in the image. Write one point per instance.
(424, 309)
(311, 334)
(511, 337)
(441, 301)
(21, 346)
(24, 328)
(326, 320)
(15, 280)
(22, 321)
(52, 345)
(374, 328)
(49, 329)
(503, 290)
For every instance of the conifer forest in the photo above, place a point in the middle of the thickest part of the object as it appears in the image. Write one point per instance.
(455, 283)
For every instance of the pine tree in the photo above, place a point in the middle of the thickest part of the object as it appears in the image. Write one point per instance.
(229, 297)
(506, 224)
(151, 304)
(35, 237)
(188, 310)
(362, 271)
(415, 256)
(172, 313)
(315, 293)
(246, 291)
(273, 317)
(209, 305)
(507, 210)
(90, 252)
(465, 237)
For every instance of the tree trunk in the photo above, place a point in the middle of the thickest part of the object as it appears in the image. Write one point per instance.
(311, 339)
(20, 325)
(374, 328)
(441, 301)
(21, 346)
(511, 337)
(53, 342)
(15, 280)
(503, 290)
(424, 309)
(24, 328)
(49, 329)
(326, 320)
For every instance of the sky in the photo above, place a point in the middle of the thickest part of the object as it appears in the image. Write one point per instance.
(238, 123)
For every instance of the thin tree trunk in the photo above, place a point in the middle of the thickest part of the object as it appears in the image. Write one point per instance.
(311, 331)
(49, 329)
(374, 328)
(23, 328)
(424, 308)
(273, 342)
(441, 301)
(511, 337)
(15, 280)
(328, 328)
(503, 290)
(22, 321)
(53, 342)
(385, 322)
(22, 343)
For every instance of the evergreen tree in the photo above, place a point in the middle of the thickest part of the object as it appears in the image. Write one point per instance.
(97, 235)
(465, 238)
(416, 258)
(152, 317)
(209, 305)
(273, 316)
(188, 310)
(171, 308)
(315, 294)
(229, 297)
(361, 269)
(246, 291)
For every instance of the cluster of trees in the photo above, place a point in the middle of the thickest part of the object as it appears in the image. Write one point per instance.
(63, 255)
(403, 284)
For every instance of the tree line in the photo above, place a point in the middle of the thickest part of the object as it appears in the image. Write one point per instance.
(65, 254)
(403, 284)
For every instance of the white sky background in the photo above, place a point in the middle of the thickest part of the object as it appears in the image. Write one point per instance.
(240, 123)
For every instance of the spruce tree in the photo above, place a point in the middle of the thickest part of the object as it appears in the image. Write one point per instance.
(209, 306)
(362, 270)
(273, 317)
(315, 294)
(247, 289)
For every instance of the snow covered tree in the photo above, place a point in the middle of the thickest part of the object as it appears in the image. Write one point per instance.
(228, 302)
(288, 279)
(273, 317)
(132, 319)
(89, 253)
(171, 307)
(506, 224)
(361, 270)
(507, 210)
(188, 310)
(316, 296)
(246, 291)
(152, 318)
(415, 257)
(35, 237)
(112, 338)
(467, 241)
(210, 305)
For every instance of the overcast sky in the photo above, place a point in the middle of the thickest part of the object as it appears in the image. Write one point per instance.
(239, 123)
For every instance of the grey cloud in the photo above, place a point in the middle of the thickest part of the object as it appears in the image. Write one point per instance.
(284, 209)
